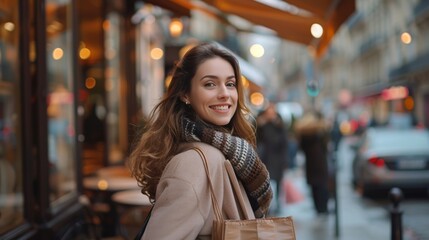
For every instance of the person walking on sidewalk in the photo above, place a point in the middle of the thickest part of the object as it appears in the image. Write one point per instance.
(272, 145)
(313, 136)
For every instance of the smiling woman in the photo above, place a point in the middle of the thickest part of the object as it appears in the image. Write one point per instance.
(213, 94)
(203, 108)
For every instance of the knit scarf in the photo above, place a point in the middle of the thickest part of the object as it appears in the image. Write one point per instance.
(247, 166)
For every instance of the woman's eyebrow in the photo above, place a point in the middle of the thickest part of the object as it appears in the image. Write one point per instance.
(209, 76)
(216, 77)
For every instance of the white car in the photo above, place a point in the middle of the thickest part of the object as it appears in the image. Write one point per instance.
(390, 157)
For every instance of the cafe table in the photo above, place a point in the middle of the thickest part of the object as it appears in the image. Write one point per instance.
(132, 208)
(101, 190)
(133, 198)
(110, 183)
(11, 206)
(114, 171)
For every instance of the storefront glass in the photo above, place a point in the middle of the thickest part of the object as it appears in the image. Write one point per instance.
(150, 66)
(116, 114)
(61, 117)
(11, 185)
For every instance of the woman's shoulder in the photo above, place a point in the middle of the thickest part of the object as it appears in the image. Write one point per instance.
(210, 152)
(188, 161)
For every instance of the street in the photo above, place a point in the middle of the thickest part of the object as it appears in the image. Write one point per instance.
(358, 218)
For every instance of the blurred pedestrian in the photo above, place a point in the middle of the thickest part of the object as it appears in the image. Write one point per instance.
(203, 108)
(272, 142)
(336, 134)
(313, 136)
(292, 145)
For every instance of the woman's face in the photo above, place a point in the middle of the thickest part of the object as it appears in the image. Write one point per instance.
(213, 94)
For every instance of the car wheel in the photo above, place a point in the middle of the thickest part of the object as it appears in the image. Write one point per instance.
(354, 183)
(363, 190)
(354, 176)
(359, 188)
(367, 193)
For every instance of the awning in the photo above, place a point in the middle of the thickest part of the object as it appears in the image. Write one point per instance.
(292, 23)
(181, 8)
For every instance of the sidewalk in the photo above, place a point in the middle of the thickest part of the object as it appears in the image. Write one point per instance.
(356, 220)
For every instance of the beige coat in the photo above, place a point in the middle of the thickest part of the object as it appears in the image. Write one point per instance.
(183, 208)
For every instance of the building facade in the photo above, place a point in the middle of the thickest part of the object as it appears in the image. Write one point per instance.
(379, 51)
(64, 73)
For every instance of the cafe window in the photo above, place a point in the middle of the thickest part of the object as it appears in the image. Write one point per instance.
(150, 63)
(92, 91)
(116, 112)
(11, 162)
(60, 100)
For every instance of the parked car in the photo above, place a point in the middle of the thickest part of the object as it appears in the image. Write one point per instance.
(389, 157)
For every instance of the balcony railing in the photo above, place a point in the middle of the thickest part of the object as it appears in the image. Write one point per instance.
(372, 43)
(421, 10)
(419, 63)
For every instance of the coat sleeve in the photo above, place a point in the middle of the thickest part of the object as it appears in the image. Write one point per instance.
(176, 214)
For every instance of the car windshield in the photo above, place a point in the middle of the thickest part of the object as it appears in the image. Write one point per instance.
(400, 140)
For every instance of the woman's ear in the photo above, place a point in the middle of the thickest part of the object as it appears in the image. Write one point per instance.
(184, 99)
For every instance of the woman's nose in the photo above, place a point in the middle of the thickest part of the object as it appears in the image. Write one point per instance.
(223, 92)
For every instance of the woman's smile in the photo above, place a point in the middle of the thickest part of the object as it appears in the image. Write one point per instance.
(221, 108)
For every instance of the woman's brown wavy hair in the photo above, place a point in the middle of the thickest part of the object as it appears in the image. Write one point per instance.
(162, 132)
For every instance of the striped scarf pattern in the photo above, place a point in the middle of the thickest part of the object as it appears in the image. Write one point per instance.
(247, 165)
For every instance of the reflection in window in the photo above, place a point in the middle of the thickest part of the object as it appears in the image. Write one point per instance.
(11, 199)
(150, 75)
(116, 110)
(60, 100)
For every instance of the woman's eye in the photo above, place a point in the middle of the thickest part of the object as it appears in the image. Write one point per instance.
(231, 84)
(209, 84)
